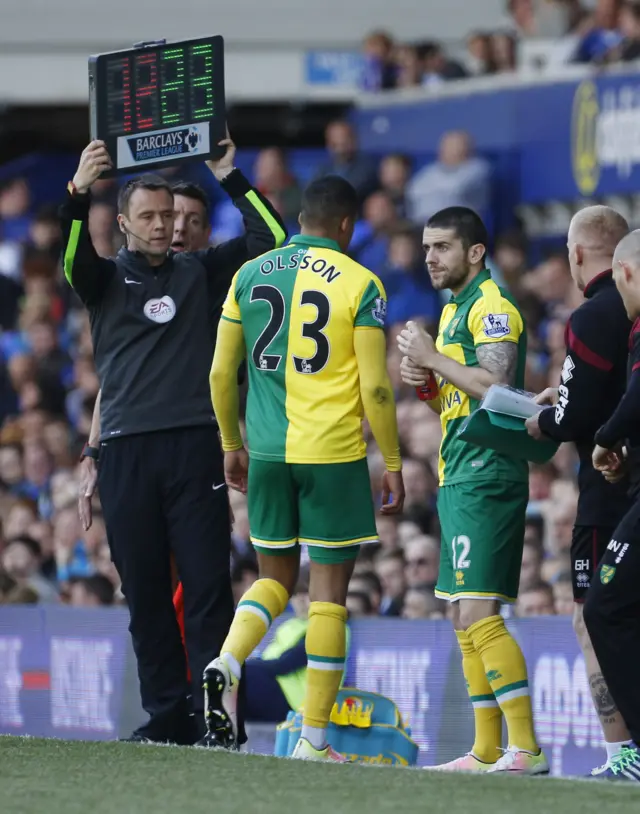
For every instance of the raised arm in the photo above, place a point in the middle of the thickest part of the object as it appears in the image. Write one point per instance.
(86, 272)
(264, 229)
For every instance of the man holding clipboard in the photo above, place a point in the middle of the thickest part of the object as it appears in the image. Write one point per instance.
(593, 381)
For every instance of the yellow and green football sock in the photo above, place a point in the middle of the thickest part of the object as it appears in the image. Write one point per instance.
(326, 646)
(486, 710)
(265, 600)
(506, 672)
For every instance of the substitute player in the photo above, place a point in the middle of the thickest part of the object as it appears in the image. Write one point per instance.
(597, 339)
(483, 495)
(311, 321)
(612, 606)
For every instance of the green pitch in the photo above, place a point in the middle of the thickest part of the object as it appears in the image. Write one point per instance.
(62, 777)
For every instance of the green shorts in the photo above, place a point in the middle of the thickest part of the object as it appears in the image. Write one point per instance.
(482, 527)
(329, 507)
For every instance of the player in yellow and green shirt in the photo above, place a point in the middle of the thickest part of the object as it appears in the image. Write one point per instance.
(311, 324)
(483, 494)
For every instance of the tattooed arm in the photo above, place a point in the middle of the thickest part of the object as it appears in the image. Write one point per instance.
(497, 361)
(497, 365)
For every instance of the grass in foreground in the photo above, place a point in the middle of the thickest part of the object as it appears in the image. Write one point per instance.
(66, 777)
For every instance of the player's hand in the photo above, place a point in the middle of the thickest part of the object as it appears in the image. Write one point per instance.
(392, 487)
(93, 162)
(548, 397)
(413, 374)
(416, 344)
(86, 488)
(236, 469)
(225, 165)
(606, 460)
(533, 427)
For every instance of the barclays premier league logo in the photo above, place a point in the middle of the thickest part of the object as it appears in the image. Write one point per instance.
(177, 142)
(164, 145)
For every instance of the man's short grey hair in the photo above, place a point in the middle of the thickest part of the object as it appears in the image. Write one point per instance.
(599, 229)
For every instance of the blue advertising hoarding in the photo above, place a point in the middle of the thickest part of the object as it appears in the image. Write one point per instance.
(70, 674)
(567, 139)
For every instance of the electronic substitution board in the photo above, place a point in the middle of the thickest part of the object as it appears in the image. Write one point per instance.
(159, 104)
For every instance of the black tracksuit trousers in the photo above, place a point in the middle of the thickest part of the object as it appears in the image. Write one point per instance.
(163, 492)
(612, 617)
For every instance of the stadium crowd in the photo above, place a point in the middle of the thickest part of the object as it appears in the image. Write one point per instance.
(48, 387)
(583, 32)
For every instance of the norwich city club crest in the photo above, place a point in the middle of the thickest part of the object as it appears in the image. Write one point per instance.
(584, 141)
(607, 573)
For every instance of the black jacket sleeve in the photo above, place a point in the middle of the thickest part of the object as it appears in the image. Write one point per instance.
(584, 374)
(86, 272)
(264, 230)
(624, 424)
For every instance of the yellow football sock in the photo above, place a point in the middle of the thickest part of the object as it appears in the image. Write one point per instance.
(326, 645)
(506, 672)
(261, 604)
(486, 710)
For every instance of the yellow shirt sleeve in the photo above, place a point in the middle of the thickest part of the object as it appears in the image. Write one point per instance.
(494, 319)
(376, 392)
(223, 381)
(231, 309)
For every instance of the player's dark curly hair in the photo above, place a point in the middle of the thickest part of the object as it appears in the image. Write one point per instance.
(328, 200)
(466, 224)
(147, 181)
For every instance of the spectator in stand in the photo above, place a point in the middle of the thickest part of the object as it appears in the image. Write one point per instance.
(601, 34)
(410, 67)
(70, 551)
(20, 516)
(537, 601)
(523, 18)
(243, 575)
(510, 256)
(91, 592)
(380, 221)
(393, 175)
(503, 52)
(12, 468)
(530, 570)
(629, 23)
(346, 160)
(22, 560)
(44, 240)
(102, 216)
(359, 604)
(369, 584)
(390, 568)
(410, 292)
(379, 71)
(422, 561)
(480, 57)
(437, 66)
(421, 603)
(387, 527)
(563, 595)
(276, 182)
(15, 203)
(456, 178)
